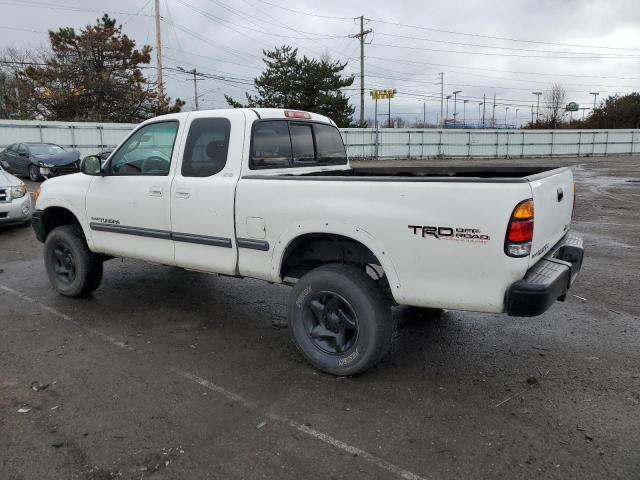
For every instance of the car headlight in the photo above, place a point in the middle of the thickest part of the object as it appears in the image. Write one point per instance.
(46, 165)
(19, 191)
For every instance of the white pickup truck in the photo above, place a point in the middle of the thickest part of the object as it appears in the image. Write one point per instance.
(270, 194)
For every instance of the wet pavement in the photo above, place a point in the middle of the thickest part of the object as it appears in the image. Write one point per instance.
(168, 374)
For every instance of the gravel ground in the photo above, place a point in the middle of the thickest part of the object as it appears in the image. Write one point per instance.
(167, 374)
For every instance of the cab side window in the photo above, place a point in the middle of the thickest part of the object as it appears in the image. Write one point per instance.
(147, 152)
(22, 150)
(206, 148)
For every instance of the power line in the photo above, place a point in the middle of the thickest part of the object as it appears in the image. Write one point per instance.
(409, 37)
(491, 37)
(415, 62)
(34, 4)
(451, 32)
(495, 54)
(306, 13)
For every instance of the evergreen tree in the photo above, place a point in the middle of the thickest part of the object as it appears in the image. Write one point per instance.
(301, 83)
(95, 75)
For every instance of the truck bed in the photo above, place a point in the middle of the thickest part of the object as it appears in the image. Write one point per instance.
(475, 173)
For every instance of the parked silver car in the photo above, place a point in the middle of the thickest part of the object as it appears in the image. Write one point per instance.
(15, 202)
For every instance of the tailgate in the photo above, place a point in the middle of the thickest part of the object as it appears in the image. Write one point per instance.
(553, 204)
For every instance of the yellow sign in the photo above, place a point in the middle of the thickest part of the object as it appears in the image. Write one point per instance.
(383, 94)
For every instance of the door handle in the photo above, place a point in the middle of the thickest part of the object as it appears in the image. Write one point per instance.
(155, 191)
(182, 193)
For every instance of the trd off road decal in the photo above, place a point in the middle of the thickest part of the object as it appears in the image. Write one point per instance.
(456, 234)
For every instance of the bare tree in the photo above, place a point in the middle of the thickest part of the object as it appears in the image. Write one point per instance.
(555, 99)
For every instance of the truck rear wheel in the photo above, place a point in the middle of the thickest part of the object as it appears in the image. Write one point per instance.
(72, 268)
(340, 319)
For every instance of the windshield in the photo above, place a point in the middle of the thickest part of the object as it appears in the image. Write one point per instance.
(45, 149)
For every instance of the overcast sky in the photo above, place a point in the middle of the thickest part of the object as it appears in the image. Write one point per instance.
(511, 48)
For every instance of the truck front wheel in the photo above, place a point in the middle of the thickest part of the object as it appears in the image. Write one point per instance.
(72, 268)
(340, 319)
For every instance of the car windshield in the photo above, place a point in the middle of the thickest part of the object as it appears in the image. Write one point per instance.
(45, 149)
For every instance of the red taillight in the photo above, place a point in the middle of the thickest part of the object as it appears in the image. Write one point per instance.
(296, 114)
(521, 231)
(517, 242)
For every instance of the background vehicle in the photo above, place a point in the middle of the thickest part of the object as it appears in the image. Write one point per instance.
(15, 201)
(269, 194)
(104, 154)
(39, 160)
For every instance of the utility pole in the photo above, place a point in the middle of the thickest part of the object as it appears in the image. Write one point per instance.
(484, 107)
(195, 84)
(159, 53)
(195, 88)
(441, 99)
(493, 115)
(479, 114)
(532, 114)
(516, 122)
(363, 33)
(424, 114)
(537, 94)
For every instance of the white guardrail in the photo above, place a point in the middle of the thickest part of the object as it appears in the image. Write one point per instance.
(366, 143)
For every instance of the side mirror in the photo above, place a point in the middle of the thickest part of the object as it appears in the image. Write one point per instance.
(23, 154)
(91, 165)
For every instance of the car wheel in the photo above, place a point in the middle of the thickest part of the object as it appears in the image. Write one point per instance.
(73, 270)
(34, 174)
(340, 319)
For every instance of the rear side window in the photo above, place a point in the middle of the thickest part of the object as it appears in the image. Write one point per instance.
(206, 149)
(271, 147)
(329, 145)
(284, 144)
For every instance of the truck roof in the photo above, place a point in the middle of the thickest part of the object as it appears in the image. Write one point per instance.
(262, 113)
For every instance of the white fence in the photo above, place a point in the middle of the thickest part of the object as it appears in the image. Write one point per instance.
(89, 138)
(479, 143)
(365, 143)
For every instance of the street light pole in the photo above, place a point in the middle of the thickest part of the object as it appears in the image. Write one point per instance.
(464, 112)
(479, 114)
(447, 115)
(506, 110)
(595, 94)
(537, 94)
(455, 106)
(516, 122)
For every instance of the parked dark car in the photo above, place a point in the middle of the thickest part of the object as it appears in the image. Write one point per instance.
(104, 154)
(39, 160)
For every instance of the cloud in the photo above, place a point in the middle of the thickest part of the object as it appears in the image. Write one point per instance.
(467, 40)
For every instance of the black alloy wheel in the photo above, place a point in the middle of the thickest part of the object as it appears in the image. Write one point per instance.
(331, 323)
(64, 265)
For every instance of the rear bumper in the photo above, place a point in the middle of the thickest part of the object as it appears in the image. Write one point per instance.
(547, 281)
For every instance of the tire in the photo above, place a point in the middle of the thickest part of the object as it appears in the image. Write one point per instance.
(340, 319)
(34, 174)
(73, 270)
